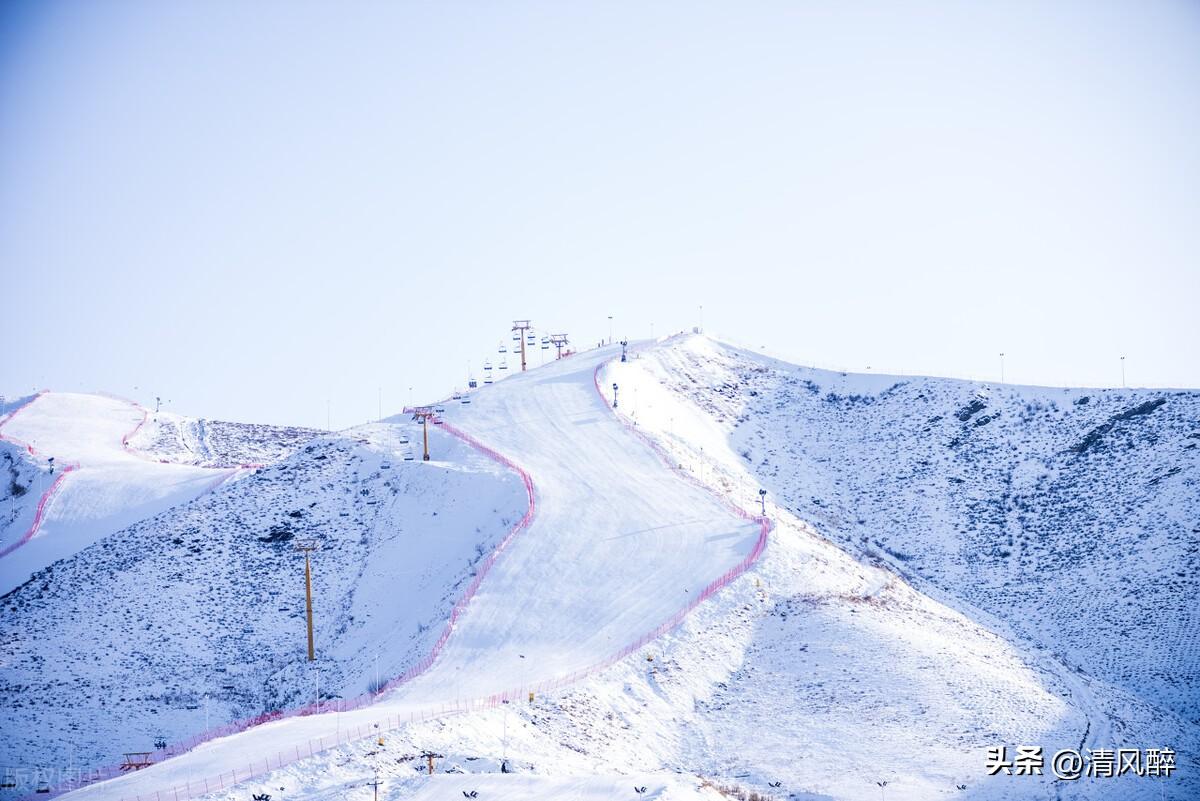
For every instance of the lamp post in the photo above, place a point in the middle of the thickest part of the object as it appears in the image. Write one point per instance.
(762, 501)
(1122, 372)
(614, 396)
(307, 547)
(610, 329)
(1001, 368)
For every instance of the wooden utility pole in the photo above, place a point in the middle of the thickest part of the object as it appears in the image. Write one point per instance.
(521, 327)
(559, 341)
(375, 784)
(424, 414)
(430, 756)
(308, 546)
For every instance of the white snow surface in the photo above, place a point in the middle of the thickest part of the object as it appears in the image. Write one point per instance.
(855, 652)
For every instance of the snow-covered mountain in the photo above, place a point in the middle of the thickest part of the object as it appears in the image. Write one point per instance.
(949, 568)
(1070, 514)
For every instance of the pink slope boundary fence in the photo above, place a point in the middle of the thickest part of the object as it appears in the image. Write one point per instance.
(39, 515)
(392, 722)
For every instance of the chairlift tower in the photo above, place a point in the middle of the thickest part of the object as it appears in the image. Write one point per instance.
(520, 327)
(307, 547)
(423, 414)
(559, 341)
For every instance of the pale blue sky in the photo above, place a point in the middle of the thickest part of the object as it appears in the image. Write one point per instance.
(252, 208)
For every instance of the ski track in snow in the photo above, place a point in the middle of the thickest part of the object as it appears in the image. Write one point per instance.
(555, 656)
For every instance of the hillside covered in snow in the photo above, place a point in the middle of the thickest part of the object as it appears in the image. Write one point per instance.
(943, 567)
(1071, 514)
(195, 616)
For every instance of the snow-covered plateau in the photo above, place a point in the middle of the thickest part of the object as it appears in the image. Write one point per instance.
(583, 594)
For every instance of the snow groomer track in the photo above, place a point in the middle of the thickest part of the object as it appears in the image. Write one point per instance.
(620, 549)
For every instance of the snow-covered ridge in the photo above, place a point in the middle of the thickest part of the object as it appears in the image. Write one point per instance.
(212, 443)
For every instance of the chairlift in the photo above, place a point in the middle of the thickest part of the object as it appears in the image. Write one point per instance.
(532, 340)
(403, 440)
(9, 781)
(440, 410)
(408, 457)
(504, 364)
(487, 379)
(465, 399)
(502, 348)
(516, 336)
(472, 383)
(385, 466)
(42, 787)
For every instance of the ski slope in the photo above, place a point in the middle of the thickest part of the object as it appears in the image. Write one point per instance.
(820, 674)
(618, 546)
(110, 486)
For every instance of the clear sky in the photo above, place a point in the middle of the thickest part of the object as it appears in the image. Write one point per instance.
(256, 208)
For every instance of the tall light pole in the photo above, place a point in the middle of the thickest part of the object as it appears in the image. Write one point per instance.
(610, 329)
(614, 396)
(701, 318)
(1001, 368)
(307, 547)
(762, 500)
(1122, 372)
